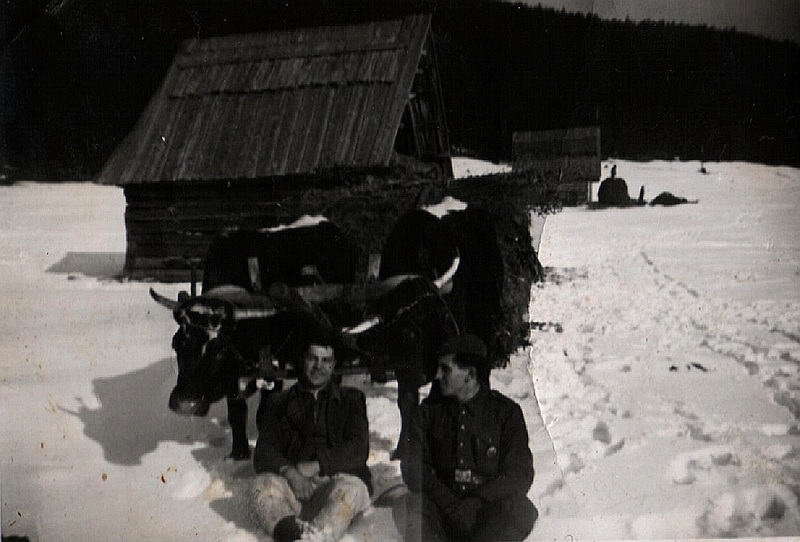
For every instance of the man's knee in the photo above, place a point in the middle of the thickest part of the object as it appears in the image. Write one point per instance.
(511, 519)
(525, 514)
(422, 519)
(271, 499)
(270, 485)
(350, 489)
(343, 498)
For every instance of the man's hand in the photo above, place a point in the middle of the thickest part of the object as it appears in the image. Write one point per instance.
(318, 481)
(463, 516)
(309, 469)
(302, 487)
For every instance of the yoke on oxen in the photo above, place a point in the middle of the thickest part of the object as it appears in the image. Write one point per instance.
(388, 308)
(398, 321)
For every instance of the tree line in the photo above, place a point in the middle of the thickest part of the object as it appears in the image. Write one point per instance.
(77, 74)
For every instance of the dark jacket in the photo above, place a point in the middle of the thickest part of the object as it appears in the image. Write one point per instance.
(475, 449)
(333, 429)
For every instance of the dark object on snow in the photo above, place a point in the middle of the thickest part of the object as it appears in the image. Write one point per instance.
(640, 201)
(668, 198)
(613, 191)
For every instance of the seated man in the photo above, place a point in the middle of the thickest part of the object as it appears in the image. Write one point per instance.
(311, 454)
(469, 466)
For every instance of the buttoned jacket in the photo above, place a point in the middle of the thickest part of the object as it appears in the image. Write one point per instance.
(475, 448)
(290, 431)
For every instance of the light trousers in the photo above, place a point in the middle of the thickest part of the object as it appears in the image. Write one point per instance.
(330, 510)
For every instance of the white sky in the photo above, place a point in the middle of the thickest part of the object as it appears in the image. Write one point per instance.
(778, 19)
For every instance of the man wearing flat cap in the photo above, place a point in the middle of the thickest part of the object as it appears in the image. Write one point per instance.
(469, 466)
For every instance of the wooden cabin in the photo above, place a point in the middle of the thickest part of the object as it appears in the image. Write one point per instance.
(242, 125)
(570, 155)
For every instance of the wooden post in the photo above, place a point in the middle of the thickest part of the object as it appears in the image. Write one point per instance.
(193, 288)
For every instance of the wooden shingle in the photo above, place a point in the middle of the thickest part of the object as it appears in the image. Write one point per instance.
(274, 104)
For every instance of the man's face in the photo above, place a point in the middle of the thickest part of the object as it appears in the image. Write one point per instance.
(318, 365)
(452, 378)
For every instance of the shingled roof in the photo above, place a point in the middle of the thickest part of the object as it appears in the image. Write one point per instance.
(274, 104)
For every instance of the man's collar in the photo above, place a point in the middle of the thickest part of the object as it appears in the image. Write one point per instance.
(474, 404)
(331, 388)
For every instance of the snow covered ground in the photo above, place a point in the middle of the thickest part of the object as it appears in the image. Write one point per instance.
(661, 389)
(666, 366)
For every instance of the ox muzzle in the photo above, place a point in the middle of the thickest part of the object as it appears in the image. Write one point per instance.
(188, 405)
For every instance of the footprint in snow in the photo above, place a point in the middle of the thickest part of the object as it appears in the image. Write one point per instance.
(758, 511)
(575, 465)
(602, 433)
(694, 366)
(614, 448)
(706, 465)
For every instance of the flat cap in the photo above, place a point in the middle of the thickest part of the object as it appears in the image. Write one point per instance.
(463, 344)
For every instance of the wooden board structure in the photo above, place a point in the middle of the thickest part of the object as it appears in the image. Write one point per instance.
(571, 155)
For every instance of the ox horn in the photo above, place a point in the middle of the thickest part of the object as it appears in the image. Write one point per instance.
(245, 313)
(441, 281)
(163, 301)
(363, 326)
(244, 304)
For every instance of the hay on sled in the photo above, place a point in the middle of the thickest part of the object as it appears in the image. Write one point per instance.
(367, 210)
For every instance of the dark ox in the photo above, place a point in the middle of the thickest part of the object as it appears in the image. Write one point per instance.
(219, 344)
(425, 245)
(467, 297)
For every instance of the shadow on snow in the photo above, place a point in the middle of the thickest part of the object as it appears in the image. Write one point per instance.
(133, 419)
(100, 265)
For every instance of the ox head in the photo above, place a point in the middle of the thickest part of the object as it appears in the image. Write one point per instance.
(203, 351)
(209, 362)
(404, 327)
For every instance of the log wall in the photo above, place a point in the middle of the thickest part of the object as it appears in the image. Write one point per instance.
(570, 155)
